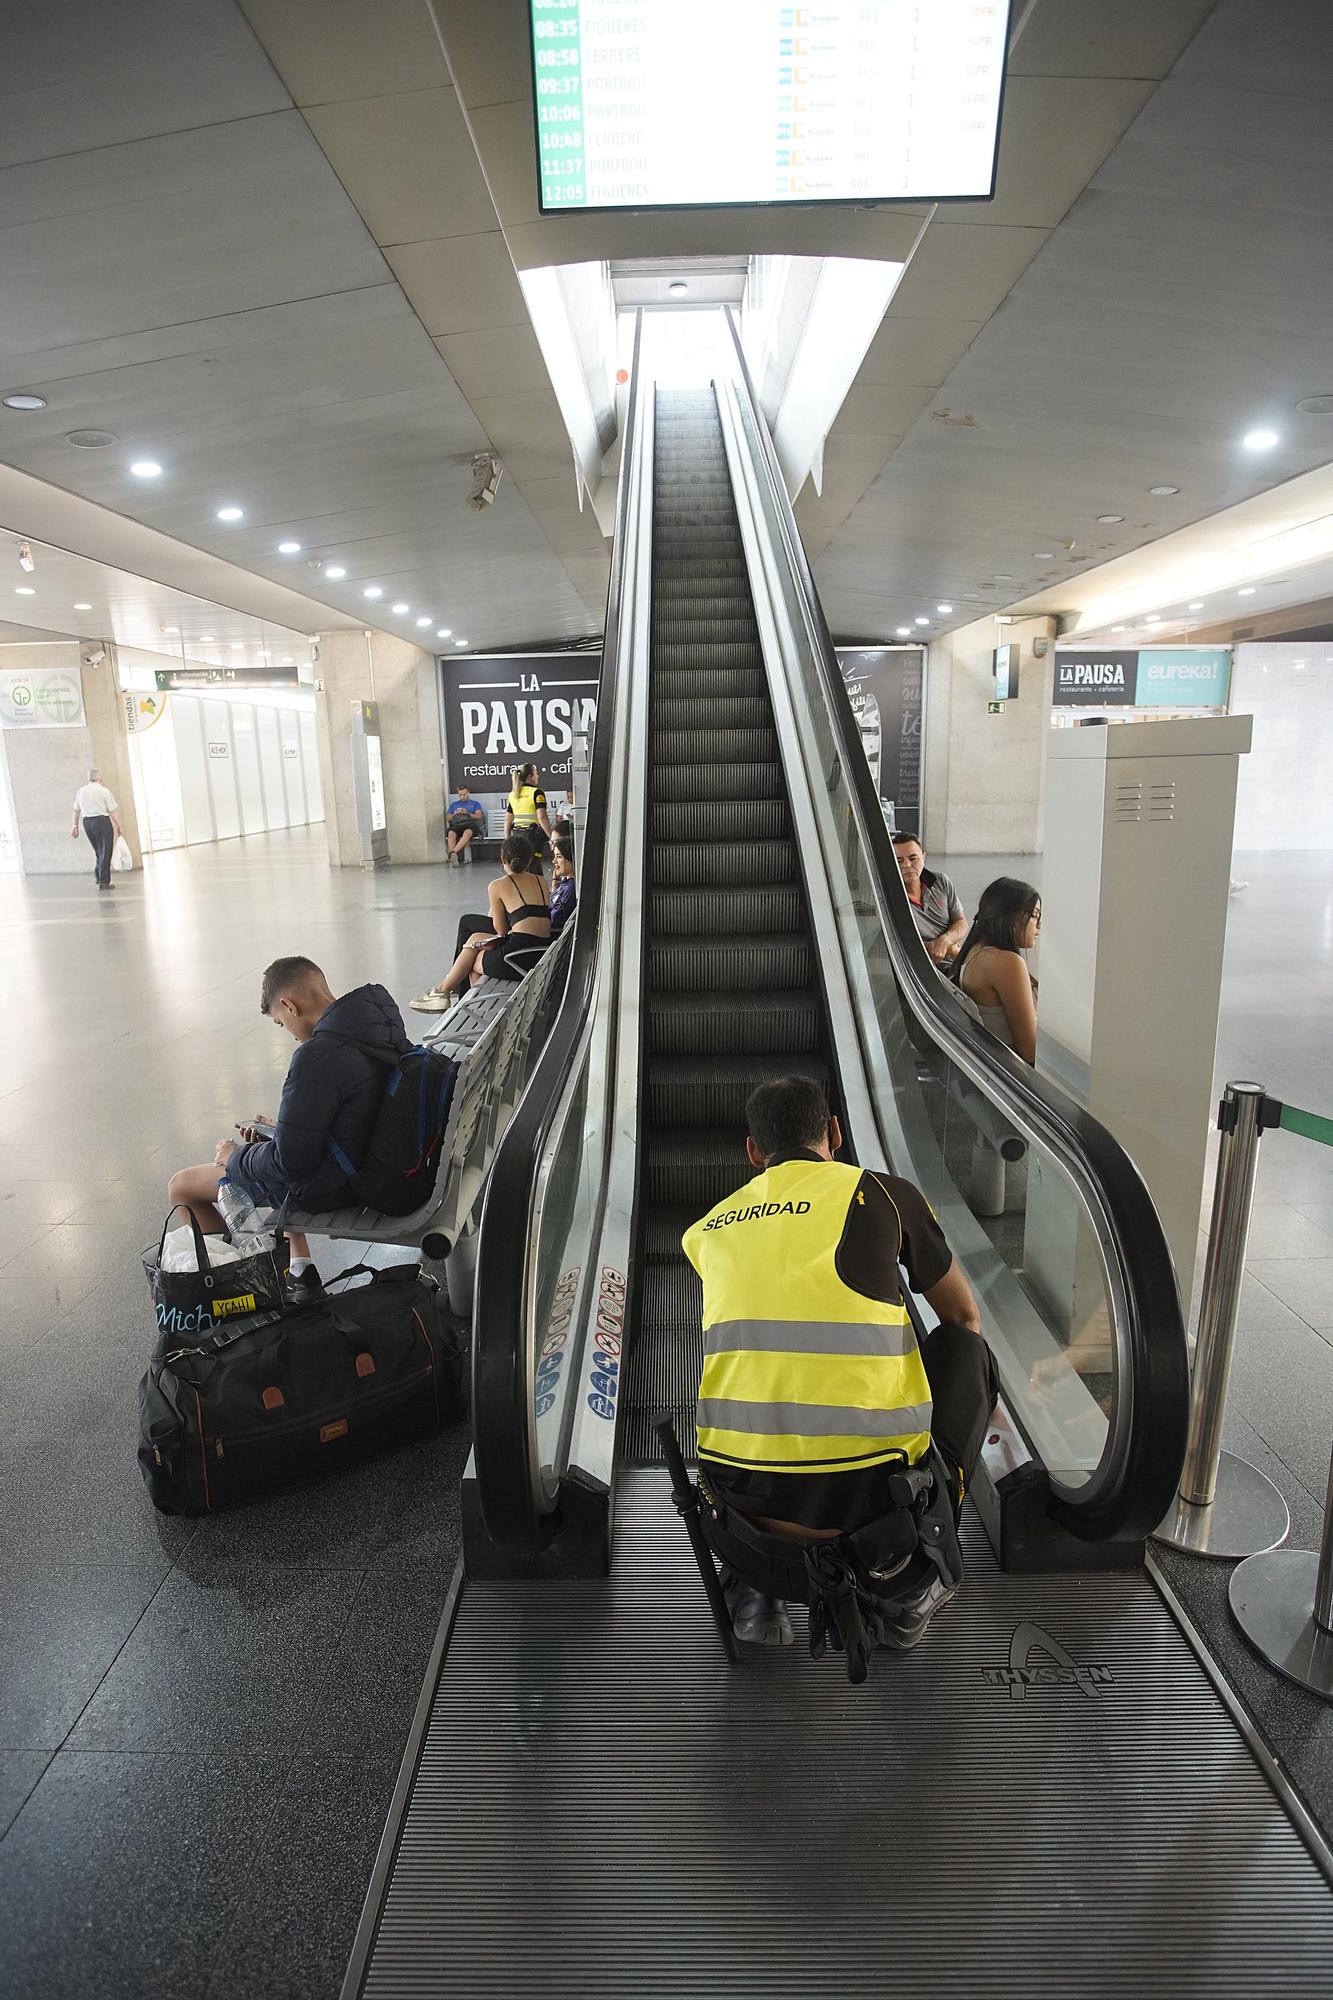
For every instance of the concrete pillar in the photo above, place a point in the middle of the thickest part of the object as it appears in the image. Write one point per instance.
(374, 666)
(46, 766)
(985, 774)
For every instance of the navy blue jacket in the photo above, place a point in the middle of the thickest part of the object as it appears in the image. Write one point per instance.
(330, 1100)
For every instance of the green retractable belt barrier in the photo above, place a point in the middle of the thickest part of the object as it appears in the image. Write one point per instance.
(1307, 1124)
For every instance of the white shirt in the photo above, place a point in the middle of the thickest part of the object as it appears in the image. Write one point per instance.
(90, 800)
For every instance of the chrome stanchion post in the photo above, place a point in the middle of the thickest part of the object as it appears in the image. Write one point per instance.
(1225, 1506)
(1283, 1603)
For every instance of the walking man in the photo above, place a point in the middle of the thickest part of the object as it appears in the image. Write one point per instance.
(95, 806)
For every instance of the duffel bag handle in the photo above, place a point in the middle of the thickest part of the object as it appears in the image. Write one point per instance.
(202, 1263)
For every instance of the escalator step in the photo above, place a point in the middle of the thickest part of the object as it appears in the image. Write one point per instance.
(739, 819)
(704, 605)
(661, 1380)
(705, 655)
(691, 631)
(726, 912)
(711, 711)
(676, 864)
(778, 1021)
(703, 683)
(761, 961)
(695, 1167)
(670, 1292)
(662, 1229)
(711, 1092)
(714, 746)
(678, 783)
(669, 570)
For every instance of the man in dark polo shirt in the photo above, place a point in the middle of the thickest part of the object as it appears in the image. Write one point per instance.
(939, 914)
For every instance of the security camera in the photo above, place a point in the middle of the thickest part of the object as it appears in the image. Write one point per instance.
(487, 472)
(25, 557)
(94, 659)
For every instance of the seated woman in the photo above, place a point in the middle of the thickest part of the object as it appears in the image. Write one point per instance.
(563, 897)
(521, 919)
(991, 972)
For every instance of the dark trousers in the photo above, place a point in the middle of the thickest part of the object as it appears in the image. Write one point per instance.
(102, 834)
(469, 926)
(963, 1386)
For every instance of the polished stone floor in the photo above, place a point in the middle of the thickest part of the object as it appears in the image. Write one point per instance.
(200, 1723)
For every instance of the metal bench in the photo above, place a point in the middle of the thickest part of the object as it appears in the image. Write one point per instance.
(496, 1032)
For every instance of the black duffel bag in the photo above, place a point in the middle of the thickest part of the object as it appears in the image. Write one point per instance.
(191, 1304)
(277, 1398)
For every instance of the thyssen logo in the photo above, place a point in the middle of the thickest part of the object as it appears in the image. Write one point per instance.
(1037, 1660)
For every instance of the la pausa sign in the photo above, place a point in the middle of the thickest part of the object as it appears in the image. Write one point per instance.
(1143, 677)
(506, 709)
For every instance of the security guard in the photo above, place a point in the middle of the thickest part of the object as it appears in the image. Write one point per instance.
(525, 808)
(815, 1395)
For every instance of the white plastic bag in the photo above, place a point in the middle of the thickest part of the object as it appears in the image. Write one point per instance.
(121, 856)
(178, 1252)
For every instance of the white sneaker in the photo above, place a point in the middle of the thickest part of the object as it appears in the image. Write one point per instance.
(433, 1003)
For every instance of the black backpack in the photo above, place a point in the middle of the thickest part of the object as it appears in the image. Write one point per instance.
(403, 1157)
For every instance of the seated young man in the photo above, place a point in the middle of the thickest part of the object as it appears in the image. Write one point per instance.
(467, 818)
(330, 1101)
(803, 1313)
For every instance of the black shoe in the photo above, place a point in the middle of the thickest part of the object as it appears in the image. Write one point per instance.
(298, 1287)
(759, 1620)
(906, 1626)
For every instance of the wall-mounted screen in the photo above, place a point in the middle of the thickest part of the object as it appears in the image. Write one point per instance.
(718, 103)
(1006, 672)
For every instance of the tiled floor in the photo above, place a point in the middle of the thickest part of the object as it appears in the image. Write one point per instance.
(200, 1723)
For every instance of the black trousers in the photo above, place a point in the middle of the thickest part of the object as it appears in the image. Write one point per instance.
(963, 1386)
(469, 926)
(102, 834)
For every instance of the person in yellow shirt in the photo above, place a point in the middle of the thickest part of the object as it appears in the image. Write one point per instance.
(821, 1419)
(525, 809)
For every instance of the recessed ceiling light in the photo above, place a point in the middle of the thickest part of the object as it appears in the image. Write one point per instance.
(231, 513)
(1043, 555)
(22, 402)
(1197, 605)
(24, 590)
(335, 572)
(400, 610)
(1109, 520)
(1246, 590)
(921, 621)
(460, 642)
(83, 607)
(1119, 628)
(289, 548)
(146, 468)
(1161, 491)
(1153, 618)
(286, 659)
(373, 590)
(944, 609)
(678, 287)
(422, 622)
(1260, 440)
(1003, 576)
(904, 631)
(444, 632)
(207, 638)
(169, 629)
(238, 645)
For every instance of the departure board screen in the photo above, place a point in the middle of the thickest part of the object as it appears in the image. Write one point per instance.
(715, 103)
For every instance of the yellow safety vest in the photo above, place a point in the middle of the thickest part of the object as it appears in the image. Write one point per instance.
(523, 805)
(801, 1373)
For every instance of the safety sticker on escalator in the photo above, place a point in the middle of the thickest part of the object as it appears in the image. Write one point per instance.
(608, 1328)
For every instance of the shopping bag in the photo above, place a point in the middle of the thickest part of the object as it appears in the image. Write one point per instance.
(120, 854)
(190, 1303)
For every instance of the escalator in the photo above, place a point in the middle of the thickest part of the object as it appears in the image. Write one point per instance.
(1056, 1792)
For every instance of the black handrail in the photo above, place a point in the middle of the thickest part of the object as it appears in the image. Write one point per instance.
(1136, 1483)
(502, 1416)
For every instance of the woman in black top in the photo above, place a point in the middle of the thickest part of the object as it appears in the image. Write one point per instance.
(521, 916)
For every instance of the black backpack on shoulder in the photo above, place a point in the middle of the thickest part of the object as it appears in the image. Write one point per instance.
(398, 1172)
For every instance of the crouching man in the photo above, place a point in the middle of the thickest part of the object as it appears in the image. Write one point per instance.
(834, 1451)
(330, 1101)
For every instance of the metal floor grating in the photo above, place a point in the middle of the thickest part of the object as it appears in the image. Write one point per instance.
(604, 1809)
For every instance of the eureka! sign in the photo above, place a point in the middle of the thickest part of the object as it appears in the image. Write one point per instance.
(1146, 677)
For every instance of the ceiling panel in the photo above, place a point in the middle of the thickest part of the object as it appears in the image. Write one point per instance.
(327, 50)
(411, 162)
(495, 361)
(916, 352)
(461, 283)
(82, 74)
(1088, 38)
(1057, 131)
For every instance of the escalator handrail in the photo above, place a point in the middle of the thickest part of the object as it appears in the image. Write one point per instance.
(1135, 1484)
(502, 1414)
